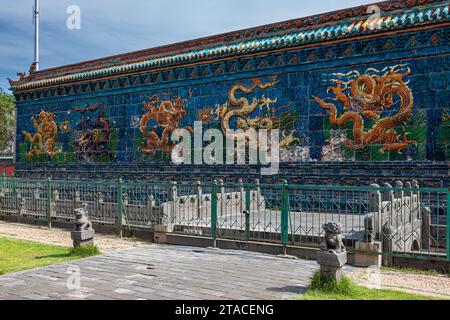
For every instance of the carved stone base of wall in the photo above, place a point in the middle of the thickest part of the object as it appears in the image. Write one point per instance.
(83, 238)
(368, 254)
(160, 234)
(331, 263)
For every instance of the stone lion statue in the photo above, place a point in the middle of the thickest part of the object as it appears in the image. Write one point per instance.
(333, 238)
(82, 222)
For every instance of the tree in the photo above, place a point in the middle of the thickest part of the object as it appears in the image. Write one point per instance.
(7, 105)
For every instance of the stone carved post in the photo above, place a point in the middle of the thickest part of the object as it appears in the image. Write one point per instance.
(223, 198)
(22, 202)
(426, 228)
(411, 210)
(199, 202)
(77, 199)
(83, 234)
(388, 225)
(259, 204)
(36, 195)
(332, 255)
(242, 195)
(173, 199)
(375, 208)
(157, 217)
(99, 203)
(388, 205)
(126, 199)
(415, 185)
(387, 244)
(400, 200)
(54, 202)
(153, 220)
(368, 251)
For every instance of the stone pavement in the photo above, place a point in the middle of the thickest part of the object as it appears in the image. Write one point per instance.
(158, 272)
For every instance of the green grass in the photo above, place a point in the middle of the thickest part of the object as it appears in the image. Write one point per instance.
(18, 255)
(324, 288)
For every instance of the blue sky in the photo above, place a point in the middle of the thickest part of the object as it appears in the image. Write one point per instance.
(117, 26)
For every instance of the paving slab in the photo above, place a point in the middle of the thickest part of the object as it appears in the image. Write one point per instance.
(158, 272)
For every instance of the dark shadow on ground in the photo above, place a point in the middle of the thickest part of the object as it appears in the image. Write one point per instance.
(289, 289)
(55, 256)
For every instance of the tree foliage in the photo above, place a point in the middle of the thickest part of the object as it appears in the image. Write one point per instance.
(7, 105)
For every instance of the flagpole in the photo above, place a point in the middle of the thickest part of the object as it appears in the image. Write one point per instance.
(36, 34)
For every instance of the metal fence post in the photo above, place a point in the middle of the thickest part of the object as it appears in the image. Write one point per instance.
(49, 202)
(284, 216)
(119, 221)
(247, 212)
(448, 225)
(214, 213)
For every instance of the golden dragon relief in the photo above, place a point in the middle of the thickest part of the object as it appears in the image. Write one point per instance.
(369, 96)
(43, 142)
(167, 114)
(242, 109)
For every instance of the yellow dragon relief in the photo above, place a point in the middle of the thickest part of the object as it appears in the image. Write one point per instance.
(167, 114)
(242, 108)
(43, 142)
(370, 96)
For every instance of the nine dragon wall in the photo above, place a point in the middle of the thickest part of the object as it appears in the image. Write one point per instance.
(132, 124)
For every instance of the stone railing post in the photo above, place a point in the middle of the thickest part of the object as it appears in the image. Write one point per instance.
(388, 202)
(77, 199)
(54, 203)
(98, 205)
(126, 199)
(223, 198)
(173, 203)
(375, 208)
(49, 202)
(259, 203)
(119, 217)
(411, 211)
(36, 194)
(426, 228)
(387, 244)
(242, 195)
(415, 185)
(400, 198)
(21, 205)
(150, 207)
(199, 202)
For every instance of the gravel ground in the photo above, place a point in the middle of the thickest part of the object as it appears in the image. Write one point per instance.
(61, 237)
(437, 286)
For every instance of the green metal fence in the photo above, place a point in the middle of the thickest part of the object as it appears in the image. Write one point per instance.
(407, 220)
